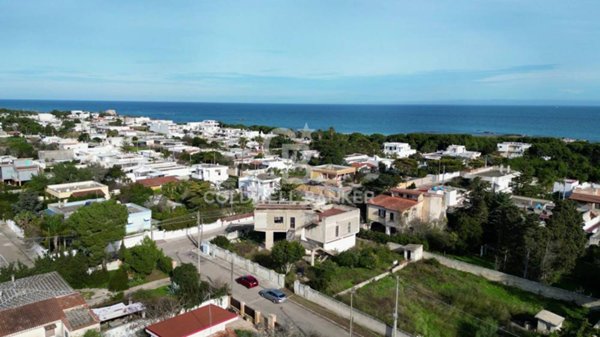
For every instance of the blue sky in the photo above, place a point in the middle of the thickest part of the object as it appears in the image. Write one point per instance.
(323, 51)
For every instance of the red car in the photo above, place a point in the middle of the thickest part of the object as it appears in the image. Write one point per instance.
(247, 281)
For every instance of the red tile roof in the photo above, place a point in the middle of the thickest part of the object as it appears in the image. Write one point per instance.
(156, 182)
(192, 322)
(392, 203)
(359, 165)
(407, 191)
(330, 212)
(585, 197)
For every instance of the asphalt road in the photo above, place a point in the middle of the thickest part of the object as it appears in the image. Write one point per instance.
(218, 271)
(11, 248)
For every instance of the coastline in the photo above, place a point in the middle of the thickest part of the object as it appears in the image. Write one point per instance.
(573, 122)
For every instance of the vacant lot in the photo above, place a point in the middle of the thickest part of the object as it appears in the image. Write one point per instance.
(438, 301)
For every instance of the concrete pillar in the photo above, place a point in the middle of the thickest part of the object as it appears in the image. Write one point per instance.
(312, 258)
(271, 321)
(269, 240)
(387, 230)
(257, 317)
(242, 309)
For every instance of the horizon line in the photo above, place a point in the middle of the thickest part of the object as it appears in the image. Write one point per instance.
(490, 102)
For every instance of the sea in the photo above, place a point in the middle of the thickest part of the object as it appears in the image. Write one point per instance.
(576, 122)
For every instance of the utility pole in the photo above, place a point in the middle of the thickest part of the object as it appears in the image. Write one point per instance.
(351, 310)
(395, 331)
(209, 311)
(231, 275)
(526, 264)
(199, 237)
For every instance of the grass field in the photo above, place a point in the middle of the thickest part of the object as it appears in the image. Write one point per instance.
(436, 301)
(348, 276)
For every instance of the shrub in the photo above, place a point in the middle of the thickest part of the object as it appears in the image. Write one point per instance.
(119, 281)
(92, 333)
(367, 259)
(322, 275)
(221, 241)
(98, 279)
(432, 262)
(349, 258)
(143, 258)
(165, 264)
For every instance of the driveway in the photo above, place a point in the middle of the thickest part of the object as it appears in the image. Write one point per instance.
(219, 271)
(12, 248)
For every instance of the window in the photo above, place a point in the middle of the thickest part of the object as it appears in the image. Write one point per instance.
(337, 230)
(292, 222)
(278, 219)
(50, 330)
(382, 213)
(391, 216)
(349, 227)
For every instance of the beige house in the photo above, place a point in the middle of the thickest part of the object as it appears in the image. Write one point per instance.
(332, 228)
(79, 189)
(403, 209)
(337, 173)
(42, 306)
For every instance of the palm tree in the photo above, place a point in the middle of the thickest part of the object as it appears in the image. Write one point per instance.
(54, 226)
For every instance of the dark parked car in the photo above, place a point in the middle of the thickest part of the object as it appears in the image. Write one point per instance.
(247, 281)
(273, 295)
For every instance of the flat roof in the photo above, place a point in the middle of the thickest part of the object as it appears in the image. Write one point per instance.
(285, 205)
(75, 186)
(550, 317)
(135, 208)
(491, 173)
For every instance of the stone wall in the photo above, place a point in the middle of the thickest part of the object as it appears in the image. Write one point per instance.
(343, 310)
(517, 282)
(247, 265)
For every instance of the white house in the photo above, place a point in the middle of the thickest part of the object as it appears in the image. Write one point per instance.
(455, 151)
(398, 150)
(565, 186)
(499, 177)
(138, 219)
(213, 173)
(259, 187)
(512, 149)
(461, 152)
(332, 228)
(160, 169)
